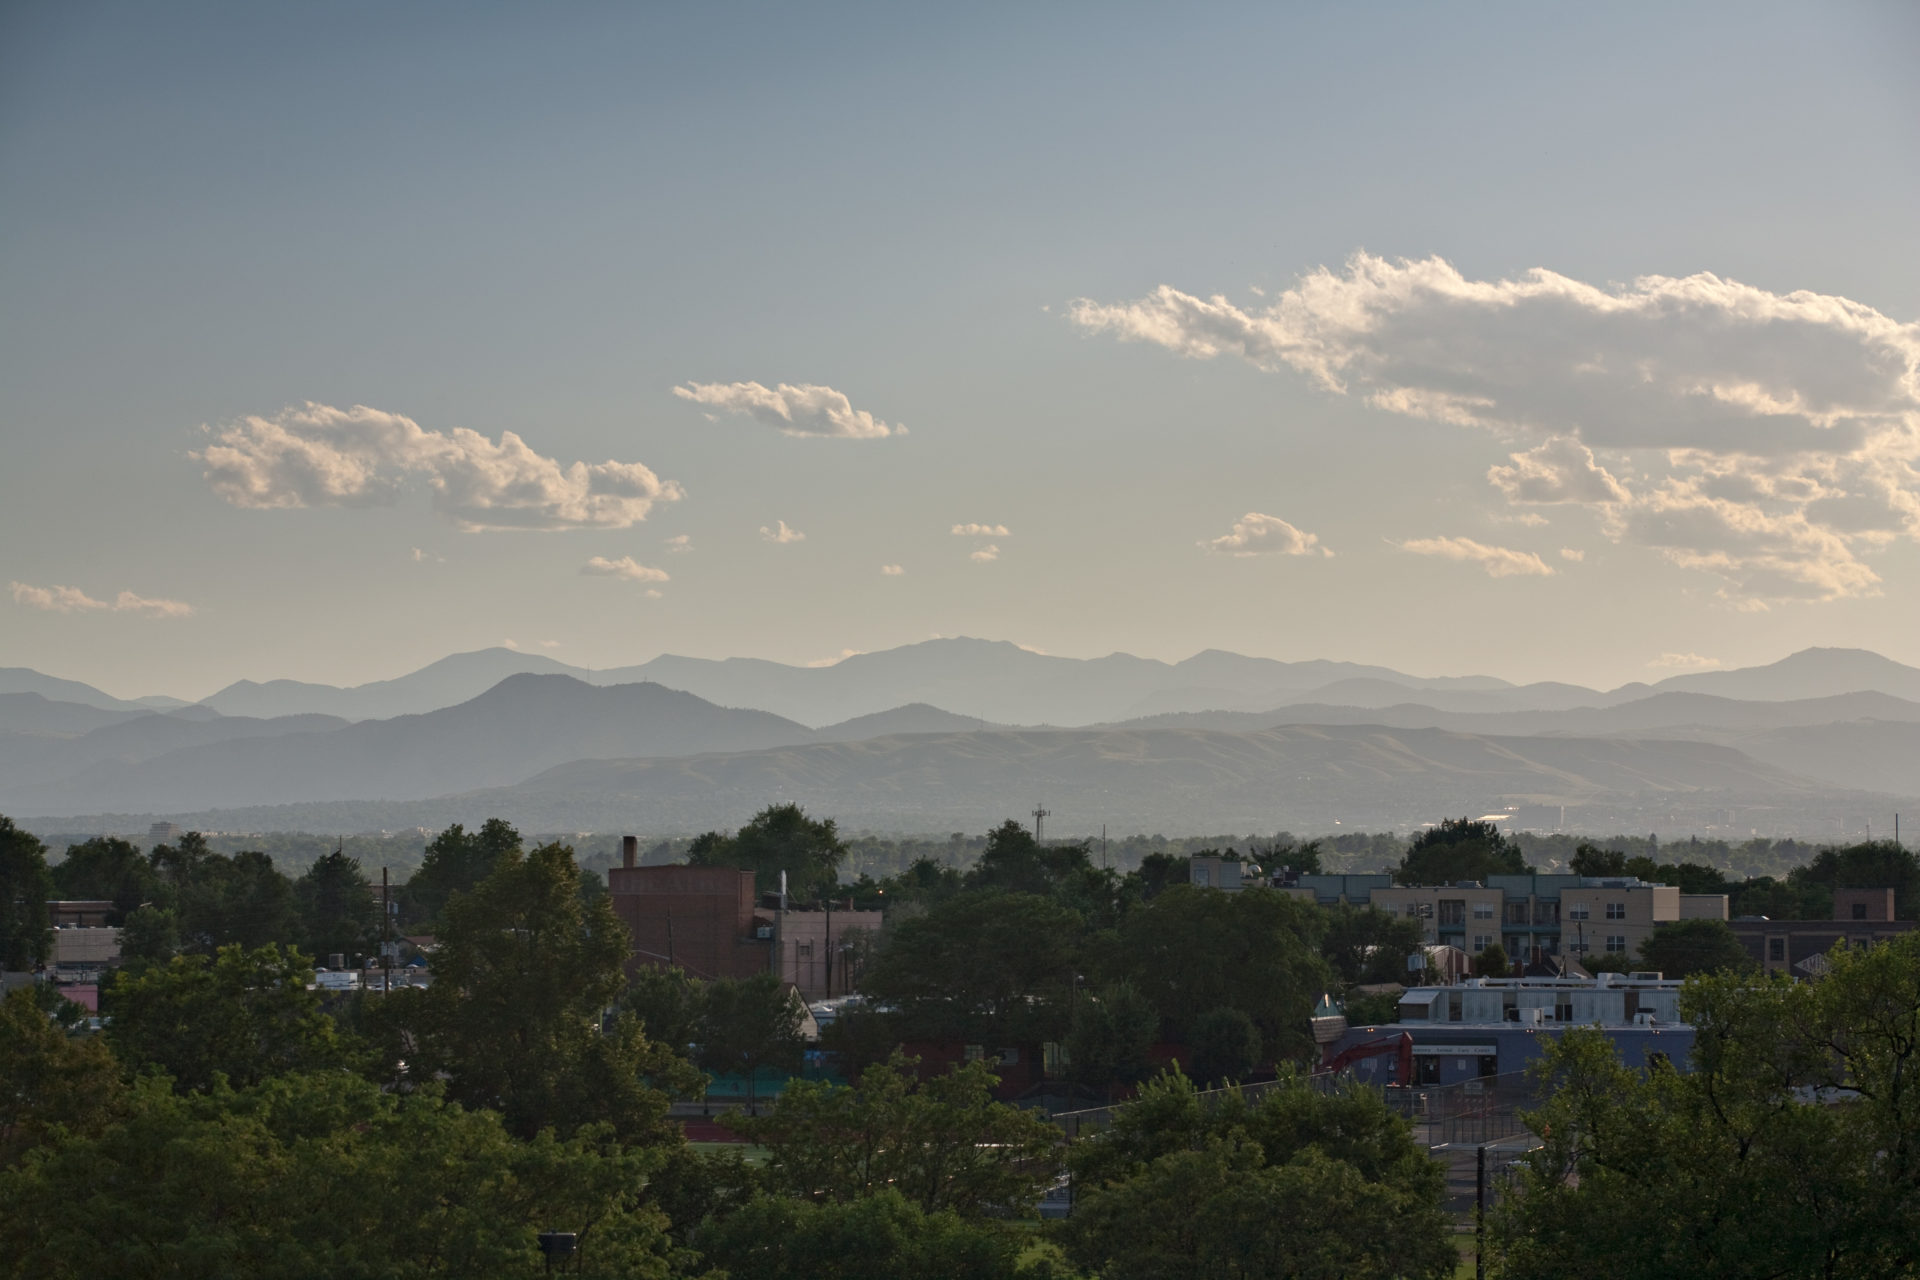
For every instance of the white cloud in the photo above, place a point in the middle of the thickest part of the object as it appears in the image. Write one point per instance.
(782, 534)
(654, 594)
(1690, 661)
(1254, 534)
(805, 409)
(1561, 470)
(986, 554)
(58, 599)
(319, 456)
(1499, 562)
(1569, 553)
(626, 567)
(423, 556)
(981, 531)
(1691, 386)
(680, 542)
(549, 644)
(891, 570)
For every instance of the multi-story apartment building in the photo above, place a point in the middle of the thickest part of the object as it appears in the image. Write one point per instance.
(1552, 914)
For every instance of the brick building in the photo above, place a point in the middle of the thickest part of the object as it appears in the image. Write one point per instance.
(710, 922)
(1861, 917)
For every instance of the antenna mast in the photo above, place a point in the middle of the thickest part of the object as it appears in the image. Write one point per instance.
(1040, 816)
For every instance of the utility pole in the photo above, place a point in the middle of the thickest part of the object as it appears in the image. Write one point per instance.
(1103, 846)
(1480, 1214)
(1040, 816)
(386, 935)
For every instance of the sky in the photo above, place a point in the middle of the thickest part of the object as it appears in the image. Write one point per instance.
(1540, 341)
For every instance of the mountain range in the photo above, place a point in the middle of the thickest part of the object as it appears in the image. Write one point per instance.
(1823, 733)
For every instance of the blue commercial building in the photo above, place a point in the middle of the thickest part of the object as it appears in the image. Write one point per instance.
(1496, 1026)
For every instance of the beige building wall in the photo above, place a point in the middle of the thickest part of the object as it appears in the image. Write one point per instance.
(1615, 921)
(75, 945)
(1466, 918)
(1703, 906)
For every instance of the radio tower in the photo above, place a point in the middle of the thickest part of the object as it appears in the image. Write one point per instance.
(1040, 816)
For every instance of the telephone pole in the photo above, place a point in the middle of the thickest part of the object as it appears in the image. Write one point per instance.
(1040, 816)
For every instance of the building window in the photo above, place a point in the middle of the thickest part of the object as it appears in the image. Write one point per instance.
(1413, 910)
(1483, 911)
(1516, 913)
(1481, 941)
(1453, 911)
(1776, 948)
(1859, 911)
(1616, 942)
(1579, 911)
(1616, 911)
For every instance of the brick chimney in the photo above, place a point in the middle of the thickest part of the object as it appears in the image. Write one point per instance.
(629, 851)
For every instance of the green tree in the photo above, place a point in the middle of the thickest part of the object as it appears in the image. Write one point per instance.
(107, 868)
(984, 968)
(1591, 860)
(1366, 944)
(943, 1143)
(882, 1237)
(749, 1025)
(1876, 864)
(1112, 1033)
(55, 1082)
(456, 861)
(779, 838)
(1306, 1183)
(1193, 950)
(669, 1002)
(1459, 849)
(525, 975)
(1491, 963)
(1791, 1148)
(1014, 862)
(26, 931)
(1300, 856)
(150, 934)
(1226, 1046)
(241, 1014)
(1686, 947)
(312, 1176)
(1157, 872)
(1782, 899)
(338, 912)
(240, 900)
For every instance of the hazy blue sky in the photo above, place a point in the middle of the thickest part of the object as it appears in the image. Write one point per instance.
(1628, 379)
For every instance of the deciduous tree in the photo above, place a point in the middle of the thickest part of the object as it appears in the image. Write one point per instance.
(1305, 1183)
(26, 933)
(1459, 849)
(779, 838)
(55, 1082)
(748, 1025)
(943, 1143)
(1686, 947)
(241, 1014)
(526, 977)
(1791, 1148)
